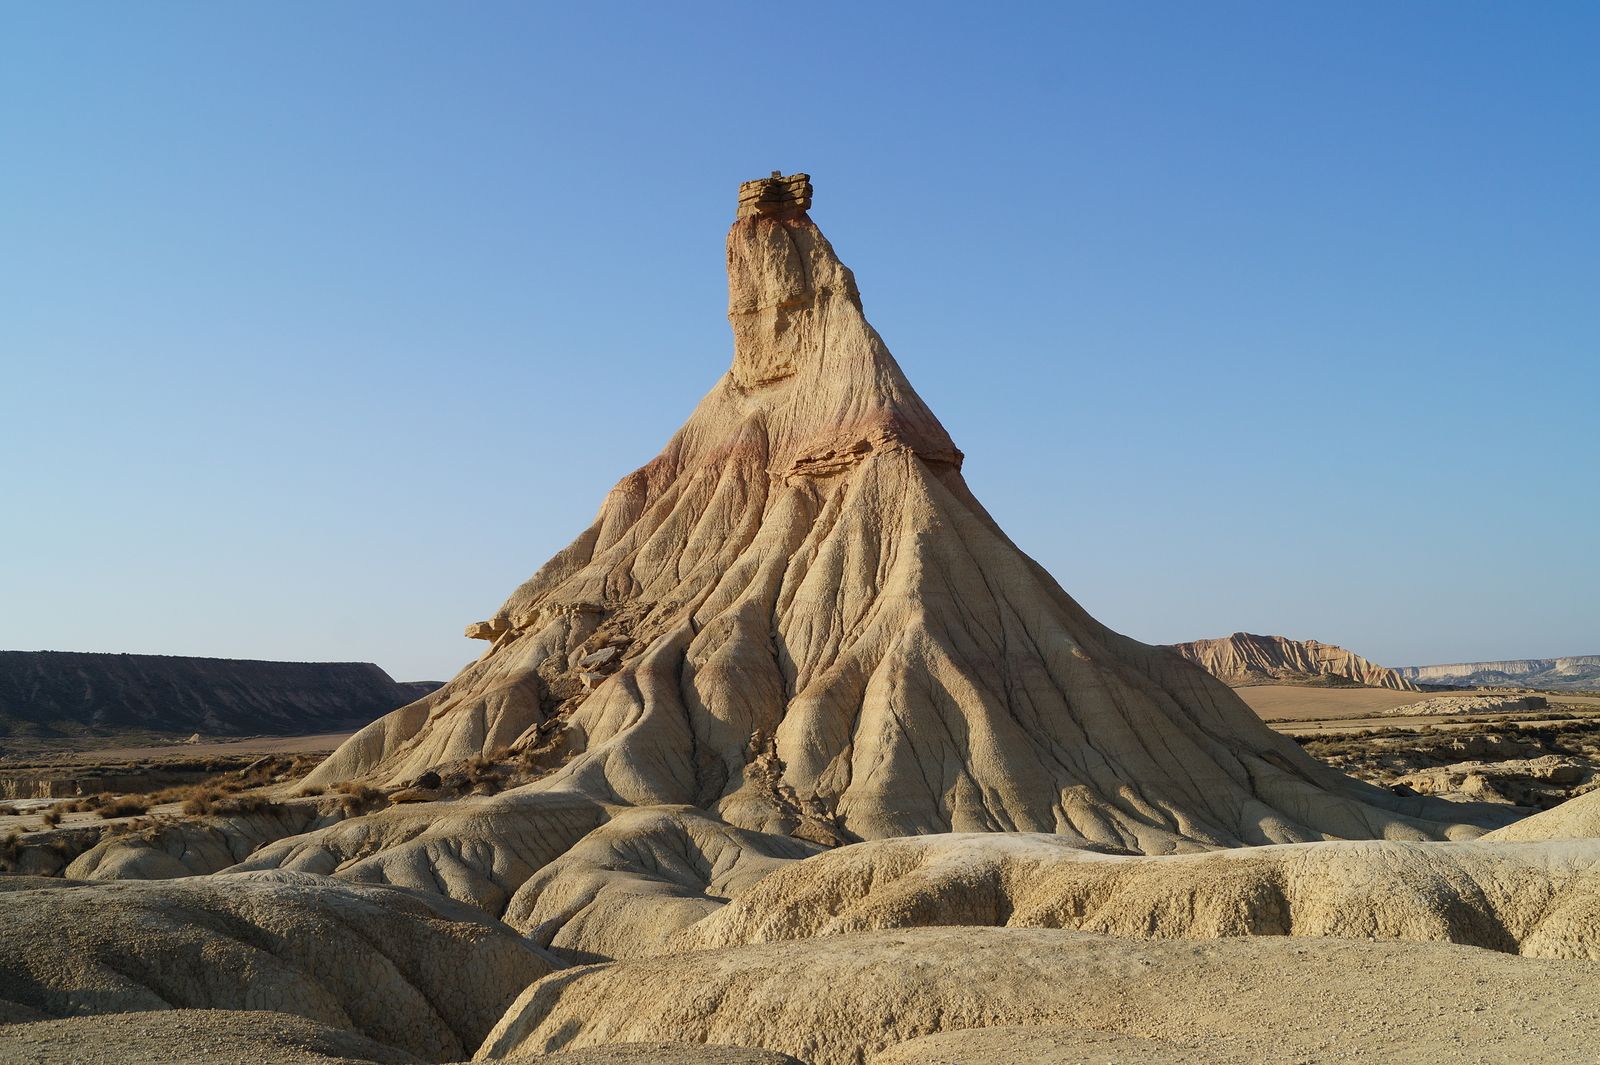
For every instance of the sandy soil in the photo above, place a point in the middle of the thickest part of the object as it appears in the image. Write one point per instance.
(1294, 703)
(112, 753)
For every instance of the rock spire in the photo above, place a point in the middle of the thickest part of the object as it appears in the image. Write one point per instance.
(798, 619)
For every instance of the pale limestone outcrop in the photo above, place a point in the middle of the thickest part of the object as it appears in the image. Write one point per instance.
(1482, 704)
(818, 630)
(192, 1037)
(241, 1037)
(627, 886)
(477, 850)
(1538, 900)
(1244, 658)
(194, 847)
(839, 1000)
(1574, 673)
(414, 971)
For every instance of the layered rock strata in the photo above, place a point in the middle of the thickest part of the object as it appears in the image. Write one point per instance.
(798, 619)
(1244, 658)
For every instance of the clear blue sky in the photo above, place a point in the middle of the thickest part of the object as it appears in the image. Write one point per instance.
(323, 325)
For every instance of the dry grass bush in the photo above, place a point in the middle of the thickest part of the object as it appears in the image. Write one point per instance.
(51, 818)
(89, 803)
(247, 804)
(197, 798)
(353, 798)
(145, 827)
(125, 806)
(201, 800)
(484, 776)
(7, 810)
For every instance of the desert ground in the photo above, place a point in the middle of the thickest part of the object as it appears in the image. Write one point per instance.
(1309, 707)
(793, 756)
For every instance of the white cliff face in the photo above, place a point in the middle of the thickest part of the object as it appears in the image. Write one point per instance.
(1247, 659)
(1575, 673)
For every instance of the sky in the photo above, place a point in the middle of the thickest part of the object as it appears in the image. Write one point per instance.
(322, 326)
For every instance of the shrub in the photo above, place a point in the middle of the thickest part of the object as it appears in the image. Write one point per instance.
(89, 803)
(125, 806)
(201, 801)
(247, 804)
(357, 798)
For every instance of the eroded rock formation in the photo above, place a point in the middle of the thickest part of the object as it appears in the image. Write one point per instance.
(794, 629)
(1244, 658)
(839, 1000)
(798, 619)
(414, 971)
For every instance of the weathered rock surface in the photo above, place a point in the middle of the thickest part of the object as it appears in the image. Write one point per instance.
(50, 693)
(239, 1037)
(1538, 900)
(1482, 704)
(798, 617)
(413, 971)
(1576, 673)
(192, 1037)
(1047, 1045)
(1532, 765)
(1535, 783)
(623, 889)
(1244, 658)
(477, 851)
(837, 1001)
(193, 847)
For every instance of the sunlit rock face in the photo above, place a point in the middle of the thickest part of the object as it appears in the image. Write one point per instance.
(1245, 658)
(798, 619)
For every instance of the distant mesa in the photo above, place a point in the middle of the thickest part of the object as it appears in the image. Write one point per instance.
(73, 693)
(1576, 673)
(1244, 659)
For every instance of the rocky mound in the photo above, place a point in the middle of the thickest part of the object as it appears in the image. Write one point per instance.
(797, 617)
(192, 1037)
(415, 972)
(239, 1037)
(1577, 818)
(1577, 673)
(58, 693)
(623, 889)
(1051, 1045)
(1541, 901)
(1482, 704)
(837, 1001)
(228, 1037)
(1244, 658)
